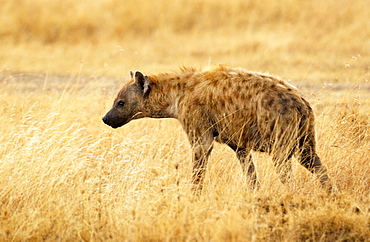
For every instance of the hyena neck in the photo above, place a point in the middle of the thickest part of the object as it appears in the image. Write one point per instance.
(163, 98)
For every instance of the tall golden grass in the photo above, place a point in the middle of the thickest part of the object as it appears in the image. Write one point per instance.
(64, 175)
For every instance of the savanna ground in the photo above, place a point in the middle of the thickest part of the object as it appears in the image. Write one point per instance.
(64, 175)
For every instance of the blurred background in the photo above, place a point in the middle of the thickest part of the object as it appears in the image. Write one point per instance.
(323, 41)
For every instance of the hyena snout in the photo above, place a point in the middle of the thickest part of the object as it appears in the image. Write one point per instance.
(116, 119)
(112, 121)
(105, 120)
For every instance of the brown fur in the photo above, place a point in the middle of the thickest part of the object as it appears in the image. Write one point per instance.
(248, 111)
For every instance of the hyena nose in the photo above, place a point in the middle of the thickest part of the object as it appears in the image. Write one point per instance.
(105, 119)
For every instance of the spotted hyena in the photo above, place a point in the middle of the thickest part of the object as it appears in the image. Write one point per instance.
(248, 111)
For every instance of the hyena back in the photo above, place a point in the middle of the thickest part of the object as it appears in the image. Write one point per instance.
(248, 111)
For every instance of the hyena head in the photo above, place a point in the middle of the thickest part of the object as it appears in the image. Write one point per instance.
(129, 103)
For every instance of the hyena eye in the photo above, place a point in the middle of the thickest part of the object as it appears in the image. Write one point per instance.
(120, 104)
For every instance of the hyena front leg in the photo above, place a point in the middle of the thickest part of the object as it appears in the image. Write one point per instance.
(246, 161)
(202, 146)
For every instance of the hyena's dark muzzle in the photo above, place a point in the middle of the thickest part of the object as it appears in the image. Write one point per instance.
(106, 120)
(113, 120)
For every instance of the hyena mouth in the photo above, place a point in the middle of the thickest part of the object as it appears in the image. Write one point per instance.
(114, 124)
(135, 115)
(117, 123)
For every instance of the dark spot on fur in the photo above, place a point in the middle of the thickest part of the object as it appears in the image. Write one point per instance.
(284, 100)
(210, 96)
(179, 86)
(270, 102)
(197, 102)
(213, 83)
(283, 110)
(181, 98)
(299, 108)
(255, 85)
(242, 95)
(236, 95)
(272, 126)
(248, 77)
(230, 99)
(215, 133)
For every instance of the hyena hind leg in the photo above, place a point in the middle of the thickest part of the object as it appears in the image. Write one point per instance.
(311, 161)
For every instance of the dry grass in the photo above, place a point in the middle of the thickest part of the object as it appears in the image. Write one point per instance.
(64, 175)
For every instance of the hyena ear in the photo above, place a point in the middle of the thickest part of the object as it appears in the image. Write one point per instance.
(143, 81)
(132, 75)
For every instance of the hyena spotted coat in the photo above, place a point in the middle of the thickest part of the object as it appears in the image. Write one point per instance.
(246, 110)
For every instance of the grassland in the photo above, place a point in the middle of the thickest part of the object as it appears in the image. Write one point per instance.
(64, 175)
